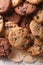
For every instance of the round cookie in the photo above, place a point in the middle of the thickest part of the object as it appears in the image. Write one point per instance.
(19, 38)
(1, 23)
(8, 27)
(25, 22)
(25, 9)
(37, 48)
(29, 59)
(4, 5)
(39, 17)
(4, 47)
(17, 56)
(34, 1)
(36, 29)
(16, 2)
(14, 17)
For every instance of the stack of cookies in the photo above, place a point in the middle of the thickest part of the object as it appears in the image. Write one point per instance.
(21, 30)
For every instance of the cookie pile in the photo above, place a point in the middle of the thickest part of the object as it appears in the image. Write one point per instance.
(21, 30)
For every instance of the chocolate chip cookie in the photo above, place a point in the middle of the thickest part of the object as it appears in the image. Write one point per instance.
(14, 17)
(36, 29)
(39, 16)
(37, 48)
(19, 38)
(4, 47)
(16, 2)
(8, 27)
(25, 9)
(4, 5)
(26, 22)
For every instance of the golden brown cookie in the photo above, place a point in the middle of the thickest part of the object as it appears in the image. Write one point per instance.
(25, 9)
(39, 17)
(29, 59)
(16, 2)
(17, 56)
(37, 47)
(19, 38)
(36, 29)
(34, 1)
(8, 27)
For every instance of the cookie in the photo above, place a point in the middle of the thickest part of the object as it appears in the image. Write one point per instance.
(16, 2)
(34, 1)
(1, 23)
(39, 16)
(36, 29)
(14, 17)
(29, 59)
(4, 5)
(4, 47)
(19, 38)
(25, 22)
(25, 9)
(8, 27)
(17, 56)
(37, 48)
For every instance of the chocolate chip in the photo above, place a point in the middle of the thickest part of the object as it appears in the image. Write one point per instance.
(38, 28)
(37, 17)
(3, 46)
(27, 37)
(32, 6)
(24, 12)
(22, 30)
(42, 24)
(36, 36)
(15, 39)
(30, 52)
(10, 27)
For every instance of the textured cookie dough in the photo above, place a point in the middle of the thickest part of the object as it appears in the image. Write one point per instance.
(34, 1)
(19, 38)
(39, 17)
(8, 27)
(16, 2)
(25, 9)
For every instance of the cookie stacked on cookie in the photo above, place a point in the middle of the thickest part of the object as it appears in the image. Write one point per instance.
(21, 30)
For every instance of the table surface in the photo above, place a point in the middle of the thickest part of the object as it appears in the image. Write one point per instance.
(7, 62)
